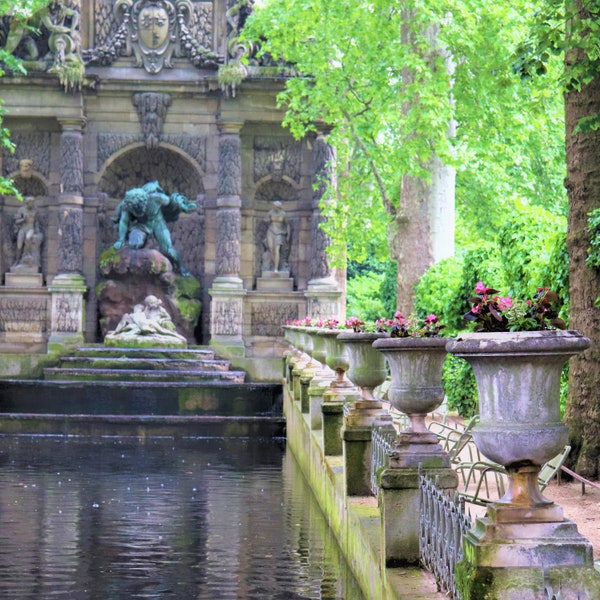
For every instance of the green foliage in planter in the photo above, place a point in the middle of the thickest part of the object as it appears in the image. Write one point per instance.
(444, 288)
(529, 252)
(460, 386)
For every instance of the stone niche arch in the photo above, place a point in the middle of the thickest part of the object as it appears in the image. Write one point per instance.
(136, 165)
(32, 184)
(176, 172)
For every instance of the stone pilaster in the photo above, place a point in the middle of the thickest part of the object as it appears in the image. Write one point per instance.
(323, 295)
(227, 292)
(70, 214)
(68, 286)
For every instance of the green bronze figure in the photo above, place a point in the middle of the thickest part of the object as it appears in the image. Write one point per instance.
(146, 211)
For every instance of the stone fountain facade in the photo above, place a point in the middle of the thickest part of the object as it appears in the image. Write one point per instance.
(119, 93)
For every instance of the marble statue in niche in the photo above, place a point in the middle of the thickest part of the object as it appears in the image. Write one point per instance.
(277, 238)
(28, 238)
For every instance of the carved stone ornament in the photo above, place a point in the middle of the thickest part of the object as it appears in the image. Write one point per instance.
(154, 31)
(152, 110)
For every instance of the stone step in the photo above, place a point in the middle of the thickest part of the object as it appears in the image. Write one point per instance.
(134, 398)
(102, 351)
(100, 426)
(167, 375)
(144, 363)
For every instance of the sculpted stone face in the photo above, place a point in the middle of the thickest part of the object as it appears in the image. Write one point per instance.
(26, 168)
(154, 26)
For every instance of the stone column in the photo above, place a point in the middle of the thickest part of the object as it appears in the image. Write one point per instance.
(324, 299)
(68, 286)
(227, 292)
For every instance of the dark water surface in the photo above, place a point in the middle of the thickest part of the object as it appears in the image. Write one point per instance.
(125, 518)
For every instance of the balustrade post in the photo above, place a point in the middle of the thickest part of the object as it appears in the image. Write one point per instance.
(332, 410)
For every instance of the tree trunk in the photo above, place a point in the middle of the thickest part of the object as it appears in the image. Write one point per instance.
(583, 186)
(411, 243)
(422, 231)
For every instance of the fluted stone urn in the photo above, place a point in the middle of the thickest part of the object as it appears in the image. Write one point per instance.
(518, 379)
(337, 358)
(367, 366)
(317, 346)
(291, 334)
(416, 390)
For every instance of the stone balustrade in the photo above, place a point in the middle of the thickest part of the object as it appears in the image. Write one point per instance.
(334, 445)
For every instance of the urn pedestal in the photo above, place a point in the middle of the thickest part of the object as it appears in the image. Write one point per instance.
(366, 370)
(523, 547)
(416, 389)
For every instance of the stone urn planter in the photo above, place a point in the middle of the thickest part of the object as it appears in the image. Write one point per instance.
(518, 378)
(416, 370)
(317, 345)
(337, 359)
(416, 390)
(367, 366)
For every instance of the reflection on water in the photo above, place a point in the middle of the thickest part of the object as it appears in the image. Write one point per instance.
(187, 519)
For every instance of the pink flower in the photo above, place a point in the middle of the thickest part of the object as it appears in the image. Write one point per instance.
(398, 315)
(481, 288)
(504, 303)
(431, 318)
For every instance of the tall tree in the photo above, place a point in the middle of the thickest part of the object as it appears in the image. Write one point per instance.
(582, 106)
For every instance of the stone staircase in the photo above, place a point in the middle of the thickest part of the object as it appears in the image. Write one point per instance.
(143, 365)
(123, 391)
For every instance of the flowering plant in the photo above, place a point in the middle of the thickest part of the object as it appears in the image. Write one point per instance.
(305, 322)
(493, 313)
(412, 326)
(330, 323)
(356, 324)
